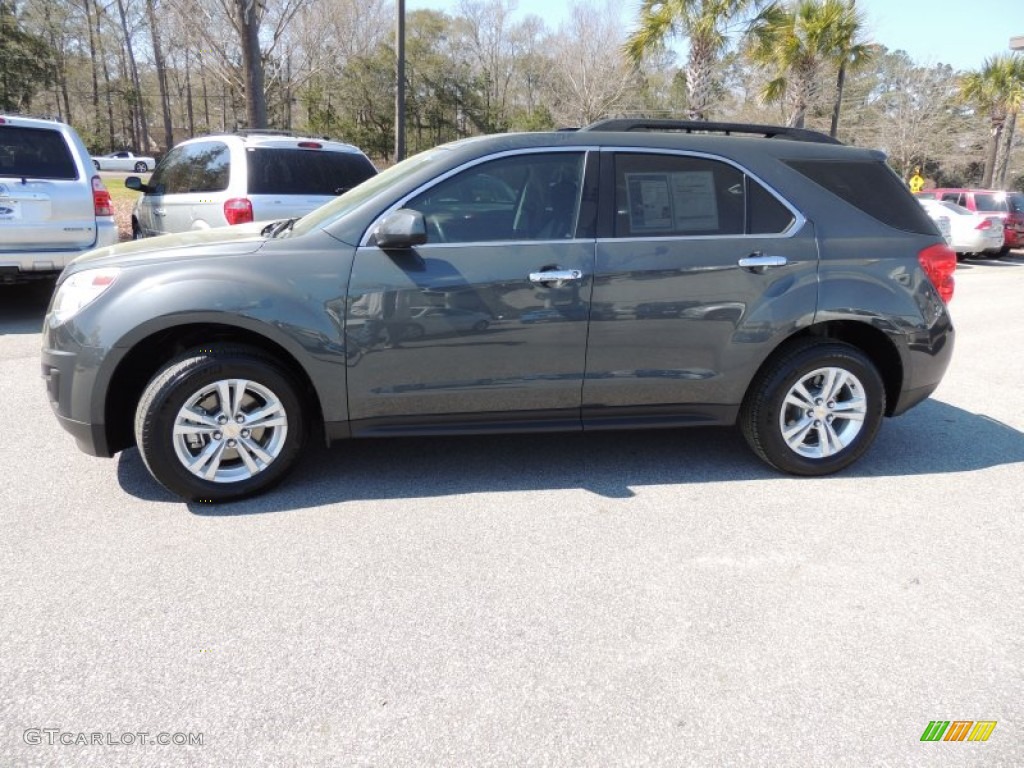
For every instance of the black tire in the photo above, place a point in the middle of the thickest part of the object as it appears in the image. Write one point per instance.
(141, 167)
(96, 165)
(136, 231)
(195, 374)
(765, 408)
(480, 326)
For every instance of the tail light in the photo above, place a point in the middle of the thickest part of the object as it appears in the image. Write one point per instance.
(939, 263)
(101, 201)
(985, 224)
(238, 210)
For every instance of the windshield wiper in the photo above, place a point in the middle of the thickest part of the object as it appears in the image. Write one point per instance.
(277, 227)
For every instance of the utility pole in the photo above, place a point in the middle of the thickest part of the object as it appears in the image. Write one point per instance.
(400, 84)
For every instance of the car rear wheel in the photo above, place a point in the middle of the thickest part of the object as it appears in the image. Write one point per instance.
(815, 409)
(220, 423)
(141, 167)
(96, 165)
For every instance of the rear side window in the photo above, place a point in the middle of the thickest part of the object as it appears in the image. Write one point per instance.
(1016, 203)
(680, 196)
(989, 203)
(35, 153)
(870, 186)
(305, 171)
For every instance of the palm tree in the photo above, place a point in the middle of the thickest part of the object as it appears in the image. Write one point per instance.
(998, 89)
(705, 24)
(798, 42)
(853, 54)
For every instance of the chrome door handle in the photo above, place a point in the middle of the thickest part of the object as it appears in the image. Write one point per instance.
(556, 275)
(759, 262)
(159, 211)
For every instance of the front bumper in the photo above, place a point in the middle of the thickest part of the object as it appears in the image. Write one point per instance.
(70, 382)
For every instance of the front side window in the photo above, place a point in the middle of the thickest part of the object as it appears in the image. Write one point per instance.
(171, 175)
(209, 164)
(521, 197)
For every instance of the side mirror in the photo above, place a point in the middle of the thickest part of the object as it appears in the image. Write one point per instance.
(134, 182)
(401, 229)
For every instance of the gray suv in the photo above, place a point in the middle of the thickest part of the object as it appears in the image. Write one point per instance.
(630, 274)
(53, 206)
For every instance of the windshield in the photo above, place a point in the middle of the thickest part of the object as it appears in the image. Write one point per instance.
(363, 192)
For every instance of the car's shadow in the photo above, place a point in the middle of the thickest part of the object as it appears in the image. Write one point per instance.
(23, 306)
(1012, 259)
(933, 438)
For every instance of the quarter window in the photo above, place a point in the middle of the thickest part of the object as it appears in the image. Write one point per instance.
(521, 197)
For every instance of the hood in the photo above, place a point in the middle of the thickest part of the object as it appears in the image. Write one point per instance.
(222, 241)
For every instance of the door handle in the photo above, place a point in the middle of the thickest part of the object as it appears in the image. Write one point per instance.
(759, 262)
(159, 211)
(555, 275)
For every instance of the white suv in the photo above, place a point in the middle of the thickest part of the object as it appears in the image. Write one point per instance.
(253, 175)
(52, 205)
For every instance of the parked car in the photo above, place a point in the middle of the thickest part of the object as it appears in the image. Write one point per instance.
(812, 291)
(940, 216)
(257, 175)
(1015, 218)
(972, 233)
(52, 205)
(990, 202)
(124, 161)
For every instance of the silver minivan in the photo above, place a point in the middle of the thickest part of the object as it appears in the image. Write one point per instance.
(256, 175)
(53, 205)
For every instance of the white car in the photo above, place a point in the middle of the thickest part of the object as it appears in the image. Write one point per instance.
(941, 218)
(250, 175)
(124, 161)
(972, 233)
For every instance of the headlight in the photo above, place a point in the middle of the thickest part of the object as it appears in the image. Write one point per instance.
(78, 291)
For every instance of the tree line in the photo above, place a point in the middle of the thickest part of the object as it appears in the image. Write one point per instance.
(146, 74)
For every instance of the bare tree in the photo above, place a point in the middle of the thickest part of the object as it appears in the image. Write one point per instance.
(590, 75)
(138, 101)
(161, 73)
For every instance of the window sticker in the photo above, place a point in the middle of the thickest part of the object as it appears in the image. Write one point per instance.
(672, 202)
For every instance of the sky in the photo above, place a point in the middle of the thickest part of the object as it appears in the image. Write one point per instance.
(961, 33)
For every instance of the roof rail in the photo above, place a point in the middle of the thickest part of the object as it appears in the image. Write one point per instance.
(262, 132)
(696, 126)
(31, 116)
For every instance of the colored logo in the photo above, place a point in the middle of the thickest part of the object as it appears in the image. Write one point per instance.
(958, 730)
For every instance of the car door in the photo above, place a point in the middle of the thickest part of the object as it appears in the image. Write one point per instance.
(509, 241)
(699, 270)
(169, 178)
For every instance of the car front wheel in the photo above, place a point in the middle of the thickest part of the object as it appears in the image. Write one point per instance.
(220, 423)
(141, 167)
(815, 409)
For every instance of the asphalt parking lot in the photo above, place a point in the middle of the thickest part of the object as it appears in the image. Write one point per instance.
(655, 598)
